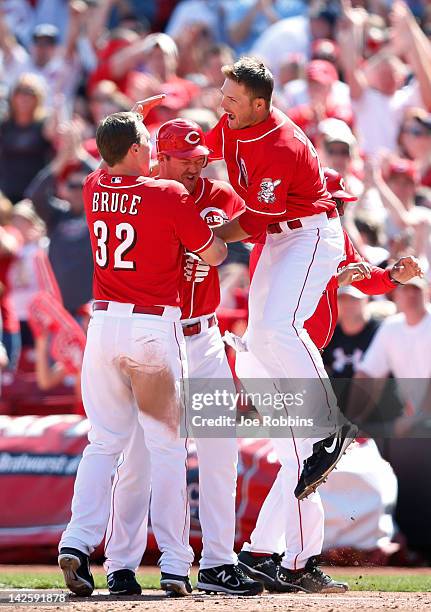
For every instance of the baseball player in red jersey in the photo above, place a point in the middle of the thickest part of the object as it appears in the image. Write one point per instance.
(134, 356)
(276, 170)
(182, 154)
(260, 555)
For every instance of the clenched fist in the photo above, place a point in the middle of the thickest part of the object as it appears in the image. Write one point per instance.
(405, 268)
(195, 270)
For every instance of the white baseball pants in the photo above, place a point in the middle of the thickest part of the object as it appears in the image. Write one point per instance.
(291, 275)
(111, 409)
(217, 478)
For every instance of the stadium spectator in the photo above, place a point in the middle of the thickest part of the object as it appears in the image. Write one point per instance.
(378, 97)
(59, 67)
(246, 20)
(56, 193)
(321, 77)
(10, 244)
(25, 137)
(415, 141)
(23, 275)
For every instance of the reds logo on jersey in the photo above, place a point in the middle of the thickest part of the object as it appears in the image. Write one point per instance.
(267, 190)
(214, 216)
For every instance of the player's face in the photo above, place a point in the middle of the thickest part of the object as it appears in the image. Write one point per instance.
(185, 171)
(241, 109)
(143, 154)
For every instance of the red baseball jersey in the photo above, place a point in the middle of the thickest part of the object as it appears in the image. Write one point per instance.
(139, 227)
(274, 167)
(217, 203)
(321, 324)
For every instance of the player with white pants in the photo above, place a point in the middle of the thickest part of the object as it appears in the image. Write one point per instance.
(134, 356)
(182, 154)
(275, 168)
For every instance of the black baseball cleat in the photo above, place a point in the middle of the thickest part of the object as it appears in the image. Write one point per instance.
(228, 579)
(262, 568)
(310, 580)
(123, 582)
(326, 454)
(75, 566)
(175, 586)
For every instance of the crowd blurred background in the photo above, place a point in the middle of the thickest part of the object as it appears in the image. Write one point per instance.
(354, 75)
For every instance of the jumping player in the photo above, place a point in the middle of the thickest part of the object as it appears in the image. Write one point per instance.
(276, 170)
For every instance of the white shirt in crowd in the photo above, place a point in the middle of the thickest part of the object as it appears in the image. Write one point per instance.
(378, 117)
(405, 351)
(23, 278)
(295, 93)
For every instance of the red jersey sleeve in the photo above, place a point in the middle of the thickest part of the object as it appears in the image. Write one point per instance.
(214, 140)
(379, 282)
(190, 228)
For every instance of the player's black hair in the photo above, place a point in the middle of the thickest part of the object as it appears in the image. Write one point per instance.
(116, 134)
(254, 75)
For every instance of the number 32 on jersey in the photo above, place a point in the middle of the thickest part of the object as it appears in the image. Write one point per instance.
(126, 237)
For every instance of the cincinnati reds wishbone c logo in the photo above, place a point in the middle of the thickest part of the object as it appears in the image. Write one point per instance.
(192, 137)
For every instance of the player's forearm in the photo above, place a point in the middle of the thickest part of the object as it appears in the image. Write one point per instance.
(379, 283)
(231, 231)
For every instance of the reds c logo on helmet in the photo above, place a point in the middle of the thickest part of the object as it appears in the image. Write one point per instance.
(192, 137)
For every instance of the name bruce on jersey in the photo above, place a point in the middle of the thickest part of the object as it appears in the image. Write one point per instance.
(113, 202)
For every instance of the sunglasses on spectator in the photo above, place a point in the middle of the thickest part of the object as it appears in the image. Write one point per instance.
(26, 91)
(417, 131)
(337, 151)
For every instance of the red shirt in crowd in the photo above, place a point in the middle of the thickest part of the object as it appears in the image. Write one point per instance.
(320, 326)
(9, 319)
(274, 167)
(217, 203)
(141, 225)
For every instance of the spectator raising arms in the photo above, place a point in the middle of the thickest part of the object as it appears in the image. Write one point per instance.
(57, 196)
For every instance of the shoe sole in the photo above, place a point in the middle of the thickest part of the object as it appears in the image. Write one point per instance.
(119, 593)
(294, 588)
(215, 588)
(312, 488)
(174, 588)
(266, 580)
(69, 564)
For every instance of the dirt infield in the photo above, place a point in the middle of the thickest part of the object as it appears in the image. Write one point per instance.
(157, 602)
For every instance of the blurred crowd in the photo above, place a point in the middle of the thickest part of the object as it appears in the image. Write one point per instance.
(354, 75)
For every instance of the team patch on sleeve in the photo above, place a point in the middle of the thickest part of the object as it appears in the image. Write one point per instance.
(267, 190)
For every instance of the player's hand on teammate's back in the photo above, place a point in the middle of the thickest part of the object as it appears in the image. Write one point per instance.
(406, 268)
(195, 270)
(353, 273)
